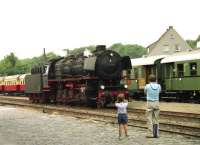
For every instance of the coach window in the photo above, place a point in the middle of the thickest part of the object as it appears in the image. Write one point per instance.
(168, 71)
(135, 71)
(173, 70)
(193, 69)
(141, 72)
(180, 70)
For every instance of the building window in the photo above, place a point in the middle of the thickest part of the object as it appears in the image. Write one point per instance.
(180, 70)
(193, 69)
(177, 48)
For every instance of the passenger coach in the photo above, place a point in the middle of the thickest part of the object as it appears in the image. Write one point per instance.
(14, 84)
(178, 74)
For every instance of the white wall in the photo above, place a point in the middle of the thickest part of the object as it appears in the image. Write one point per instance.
(198, 44)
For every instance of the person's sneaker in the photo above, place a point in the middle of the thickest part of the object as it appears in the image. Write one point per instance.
(149, 135)
(156, 136)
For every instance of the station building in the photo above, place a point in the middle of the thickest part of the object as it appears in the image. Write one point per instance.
(170, 44)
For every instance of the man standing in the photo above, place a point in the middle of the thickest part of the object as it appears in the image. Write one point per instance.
(152, 91)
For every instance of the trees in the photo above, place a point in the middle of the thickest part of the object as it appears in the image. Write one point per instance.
(132, 50)
(193, 43)
(11, 59)
(8, 64)
(81, 49)
(11, 65)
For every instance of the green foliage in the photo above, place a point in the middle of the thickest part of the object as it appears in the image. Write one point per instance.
(81, 49)
(11, 65)
(132, 50)
(11, 59)
(8, 64)
(193, 43)
(198, 39)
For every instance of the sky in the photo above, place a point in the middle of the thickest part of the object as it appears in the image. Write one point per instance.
(28, 26)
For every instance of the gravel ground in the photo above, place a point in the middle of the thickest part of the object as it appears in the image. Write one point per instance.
(28, 127)
(169, 106)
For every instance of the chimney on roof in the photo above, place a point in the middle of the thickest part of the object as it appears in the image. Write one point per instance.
(170, 27)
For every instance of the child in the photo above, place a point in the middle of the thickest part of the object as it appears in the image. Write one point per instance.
(122, 105)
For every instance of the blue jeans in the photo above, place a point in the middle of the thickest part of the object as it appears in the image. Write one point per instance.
(122, 118)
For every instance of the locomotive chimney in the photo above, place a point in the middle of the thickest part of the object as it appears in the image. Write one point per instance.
(44, 56)
(100, 47)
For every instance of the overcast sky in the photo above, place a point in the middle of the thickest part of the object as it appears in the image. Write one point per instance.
(28, 26)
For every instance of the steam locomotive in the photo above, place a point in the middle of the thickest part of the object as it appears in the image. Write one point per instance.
(93, 79)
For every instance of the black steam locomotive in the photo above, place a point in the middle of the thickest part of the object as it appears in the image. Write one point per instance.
(91, 79)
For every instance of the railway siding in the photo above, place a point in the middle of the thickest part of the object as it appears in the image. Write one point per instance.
(177, 122)
(29, 126)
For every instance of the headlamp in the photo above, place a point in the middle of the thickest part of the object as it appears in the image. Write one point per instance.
(102, 87)
(126, 86)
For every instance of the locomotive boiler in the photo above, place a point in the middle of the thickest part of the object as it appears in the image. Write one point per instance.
(92, 78)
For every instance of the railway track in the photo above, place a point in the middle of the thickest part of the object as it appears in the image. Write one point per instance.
(174, 122)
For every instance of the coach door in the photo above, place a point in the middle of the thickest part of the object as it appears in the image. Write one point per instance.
(149, 70)
(159, 71)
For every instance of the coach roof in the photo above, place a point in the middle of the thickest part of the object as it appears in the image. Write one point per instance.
(146, 60)
(182, 56)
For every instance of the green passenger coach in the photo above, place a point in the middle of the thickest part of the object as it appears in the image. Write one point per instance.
(178, 74)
